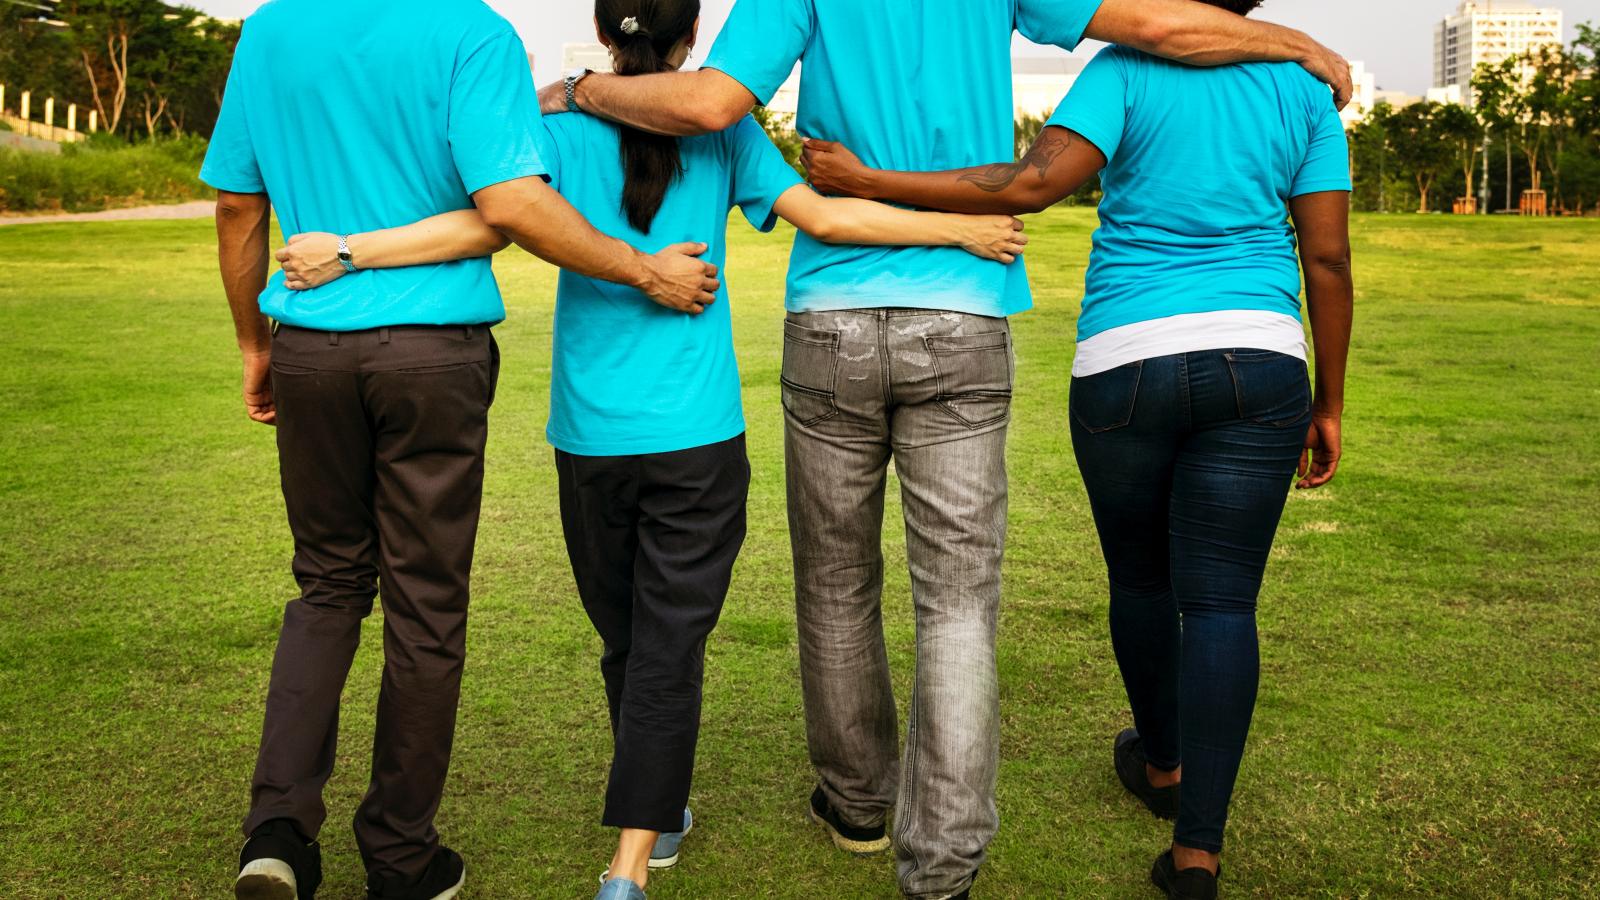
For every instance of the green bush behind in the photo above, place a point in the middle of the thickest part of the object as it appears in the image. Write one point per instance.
(103, 174)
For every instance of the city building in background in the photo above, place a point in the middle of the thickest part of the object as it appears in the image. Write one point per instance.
(1488, 32)
(1365, 97)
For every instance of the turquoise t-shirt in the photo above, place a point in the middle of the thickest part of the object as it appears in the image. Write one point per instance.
(911, 85)
(1203, 163)
(629, 375)
(370, 114)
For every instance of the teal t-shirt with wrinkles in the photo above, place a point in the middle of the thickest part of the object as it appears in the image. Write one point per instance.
(1202, 165)
(630, 376)
(909, 85)
(369, 114)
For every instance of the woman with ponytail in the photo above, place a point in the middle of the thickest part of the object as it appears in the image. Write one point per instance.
(646, 414)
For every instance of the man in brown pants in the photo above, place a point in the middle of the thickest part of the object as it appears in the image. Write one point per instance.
(382, 113)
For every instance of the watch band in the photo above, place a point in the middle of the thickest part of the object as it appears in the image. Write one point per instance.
(572, 89)
(344, 253)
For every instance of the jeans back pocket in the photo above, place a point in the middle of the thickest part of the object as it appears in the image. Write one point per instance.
(974, 373)
(1270, 388)
(1105, 401)
(810, 368)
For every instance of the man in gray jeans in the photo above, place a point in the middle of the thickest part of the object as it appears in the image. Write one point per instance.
(905, 354)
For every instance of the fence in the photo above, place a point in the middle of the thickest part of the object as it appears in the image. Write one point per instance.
(46, 129)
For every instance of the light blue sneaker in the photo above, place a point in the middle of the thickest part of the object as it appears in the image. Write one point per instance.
(620, 889)
(665, 853)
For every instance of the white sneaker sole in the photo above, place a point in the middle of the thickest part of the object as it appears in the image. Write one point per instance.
(667, 862)
(859, 848)
(266, 879)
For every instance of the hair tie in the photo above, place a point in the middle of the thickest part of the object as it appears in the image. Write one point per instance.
(630, 25)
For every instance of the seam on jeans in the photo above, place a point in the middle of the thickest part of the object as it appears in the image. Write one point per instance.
(884, 366)
(945, 397)
(1183, 391)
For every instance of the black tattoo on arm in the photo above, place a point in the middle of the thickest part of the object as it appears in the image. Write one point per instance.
(1042, 155)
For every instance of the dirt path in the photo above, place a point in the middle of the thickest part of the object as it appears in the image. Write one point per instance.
(198, 209)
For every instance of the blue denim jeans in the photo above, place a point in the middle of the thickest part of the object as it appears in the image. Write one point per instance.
(1188, 460)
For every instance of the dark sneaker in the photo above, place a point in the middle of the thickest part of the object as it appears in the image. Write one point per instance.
(1129, 757)
(1188, 884)
(278, 864)
(966, 892)
(446, 875)
(847, 837)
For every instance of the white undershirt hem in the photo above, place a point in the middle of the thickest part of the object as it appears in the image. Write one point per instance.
(1188, 333)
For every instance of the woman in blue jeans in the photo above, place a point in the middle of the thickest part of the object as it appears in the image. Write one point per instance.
(1191, 408)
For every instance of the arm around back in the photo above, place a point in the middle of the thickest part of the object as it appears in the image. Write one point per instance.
(539, 220)
(1204, 35)
(672, 103)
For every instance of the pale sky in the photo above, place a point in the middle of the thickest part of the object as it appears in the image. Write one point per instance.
(1393, 37)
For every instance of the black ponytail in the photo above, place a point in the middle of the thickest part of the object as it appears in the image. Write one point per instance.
(643, 34)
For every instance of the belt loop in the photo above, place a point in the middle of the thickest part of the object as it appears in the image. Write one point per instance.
(469, 331)
(333, 338)
(383, 335)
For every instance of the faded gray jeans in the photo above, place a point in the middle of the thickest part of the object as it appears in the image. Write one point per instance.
(932, 391)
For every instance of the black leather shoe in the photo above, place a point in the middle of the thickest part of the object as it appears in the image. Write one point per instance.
(444, 878)
(1186, 884)
(847, 837)
(1130, 761)
(277, 863)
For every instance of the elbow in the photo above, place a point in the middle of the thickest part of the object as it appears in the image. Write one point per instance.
(828, 230)
(712, 117)
(1332, 261)
(1156, 34)
(493, 242)
(236, 207)
(499, 216)
(1034, 202)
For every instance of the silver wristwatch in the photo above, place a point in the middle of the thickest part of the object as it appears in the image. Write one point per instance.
(344, 253)
(573, 77)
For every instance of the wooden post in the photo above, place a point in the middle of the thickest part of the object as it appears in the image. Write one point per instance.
(72, 117)
(50, 112)
(94, 120)
(2, 98)
(27, 104)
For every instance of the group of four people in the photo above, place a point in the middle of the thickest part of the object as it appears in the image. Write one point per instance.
(401, 143)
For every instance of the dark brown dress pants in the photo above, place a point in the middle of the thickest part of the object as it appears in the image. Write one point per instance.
(380, 443)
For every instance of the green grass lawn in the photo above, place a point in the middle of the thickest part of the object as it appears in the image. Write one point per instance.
(1429, 722)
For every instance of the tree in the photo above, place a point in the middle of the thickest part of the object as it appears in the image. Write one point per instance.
(103, 32)
(1461, 130)
(1420, 146)
(1370, 150)
(1553, 104)
(780, 128)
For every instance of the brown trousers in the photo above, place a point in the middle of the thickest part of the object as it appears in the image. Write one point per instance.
(380, 443)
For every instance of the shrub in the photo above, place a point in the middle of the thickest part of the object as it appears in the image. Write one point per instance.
(98, 175)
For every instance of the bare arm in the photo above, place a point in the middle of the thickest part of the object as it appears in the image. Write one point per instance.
(1057, 164)
(540, 221)
(674, 103)
(312, 260)
(1204, 35)
(242, 250)
(1322, 222)
(840, 220)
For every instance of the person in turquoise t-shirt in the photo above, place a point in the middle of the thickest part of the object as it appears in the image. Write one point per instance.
(367, 114)
(904, 354)
(646, 413)
(1190, 403)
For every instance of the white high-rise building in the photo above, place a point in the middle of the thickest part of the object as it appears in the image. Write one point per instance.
(1488, 31)
(1366, 95)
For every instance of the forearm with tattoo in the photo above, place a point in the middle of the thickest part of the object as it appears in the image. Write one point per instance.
(1041, 156)
(1059, 162)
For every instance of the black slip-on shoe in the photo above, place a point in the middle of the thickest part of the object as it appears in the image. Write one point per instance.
(1185, 884)
(278, 864)
(1130, 761)
(847, 837)
(966, 892)
(444, 878)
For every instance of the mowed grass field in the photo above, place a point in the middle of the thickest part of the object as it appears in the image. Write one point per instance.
(1429, 721)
